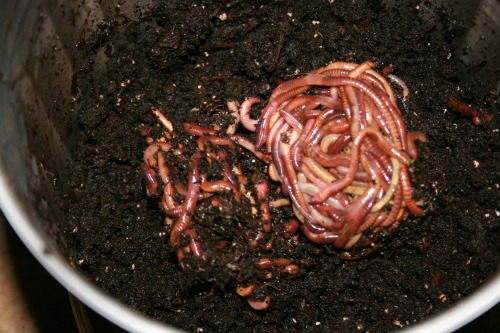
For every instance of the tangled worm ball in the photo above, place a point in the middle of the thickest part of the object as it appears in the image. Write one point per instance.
(341, 150)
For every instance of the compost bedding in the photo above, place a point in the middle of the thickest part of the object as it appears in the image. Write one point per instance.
(188, 59)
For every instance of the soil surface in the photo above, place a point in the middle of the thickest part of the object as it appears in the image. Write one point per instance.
(188, 59)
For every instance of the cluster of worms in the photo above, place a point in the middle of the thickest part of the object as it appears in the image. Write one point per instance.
(335, 141)
(179, 198)
(341, 150)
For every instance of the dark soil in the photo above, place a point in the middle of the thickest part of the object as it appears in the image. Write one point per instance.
(188, 59)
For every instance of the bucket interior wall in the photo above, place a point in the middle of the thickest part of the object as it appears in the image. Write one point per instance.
(37, 98)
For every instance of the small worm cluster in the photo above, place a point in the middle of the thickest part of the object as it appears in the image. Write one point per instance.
(179, 198)
(334, 139)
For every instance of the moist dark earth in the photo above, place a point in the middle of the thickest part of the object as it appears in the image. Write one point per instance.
(188, 59)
